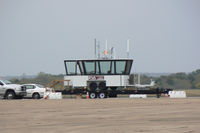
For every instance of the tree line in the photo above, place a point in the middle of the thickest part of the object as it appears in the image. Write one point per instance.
(177, 80)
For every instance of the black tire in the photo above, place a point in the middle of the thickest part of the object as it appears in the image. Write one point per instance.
(92, 95)
(102, 95)
(112, 94)
(19, 97)
(36, 96)
(10, 95)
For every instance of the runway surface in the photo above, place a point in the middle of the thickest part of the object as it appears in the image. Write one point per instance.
(121, 115)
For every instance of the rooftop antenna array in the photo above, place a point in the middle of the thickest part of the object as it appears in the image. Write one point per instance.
(128, 45)
(105, 52)
(108, 52)
(98, 46)
(95, 48)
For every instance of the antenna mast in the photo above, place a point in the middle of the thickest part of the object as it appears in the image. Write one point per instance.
(98, 46)
(95, 48)
(128, 43)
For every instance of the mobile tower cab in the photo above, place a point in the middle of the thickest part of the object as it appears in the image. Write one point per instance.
(98, 77)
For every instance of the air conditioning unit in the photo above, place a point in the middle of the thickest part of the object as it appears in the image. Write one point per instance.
(96, 85)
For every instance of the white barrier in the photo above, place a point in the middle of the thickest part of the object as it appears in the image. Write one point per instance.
(177, 94)
(53, 95)
(138, 96)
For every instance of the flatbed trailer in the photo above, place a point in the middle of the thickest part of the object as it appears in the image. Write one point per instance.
(157, 91)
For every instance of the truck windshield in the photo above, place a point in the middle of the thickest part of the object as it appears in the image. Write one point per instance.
(7, 82)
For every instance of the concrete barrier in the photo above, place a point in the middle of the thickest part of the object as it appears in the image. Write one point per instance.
(138, 96)
(53, 95)
(177, 94)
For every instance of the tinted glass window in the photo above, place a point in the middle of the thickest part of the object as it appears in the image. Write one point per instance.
(80, 69)
(97, 68)
(1, 83)
(120, 67)
(90, 67)
(7, 82)
(71, 67)
(30, 87)
(105, 67)
(113, 68)
(128, 66)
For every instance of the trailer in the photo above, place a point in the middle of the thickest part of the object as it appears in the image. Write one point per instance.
(102, 78)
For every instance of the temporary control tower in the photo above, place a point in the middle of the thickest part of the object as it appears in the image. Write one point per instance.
(99, 77)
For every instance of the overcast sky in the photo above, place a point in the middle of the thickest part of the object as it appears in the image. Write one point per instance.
(37, 35)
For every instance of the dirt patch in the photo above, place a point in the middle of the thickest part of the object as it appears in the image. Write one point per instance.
(120, 115)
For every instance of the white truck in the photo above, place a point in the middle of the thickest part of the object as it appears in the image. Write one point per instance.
(11, 91)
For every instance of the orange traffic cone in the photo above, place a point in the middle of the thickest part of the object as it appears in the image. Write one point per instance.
(87, 95)
(46, 97)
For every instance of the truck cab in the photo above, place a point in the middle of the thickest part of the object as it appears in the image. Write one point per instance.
(11, 91)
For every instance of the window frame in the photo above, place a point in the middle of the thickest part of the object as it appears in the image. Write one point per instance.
(80, 64)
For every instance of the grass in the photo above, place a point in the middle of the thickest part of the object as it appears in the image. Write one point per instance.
(192, 92)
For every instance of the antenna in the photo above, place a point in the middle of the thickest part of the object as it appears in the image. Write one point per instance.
(128, 43)
(105, 52)
(106, 45)
(138, 78)
(111, 52)
(98, 46)
(95, 48)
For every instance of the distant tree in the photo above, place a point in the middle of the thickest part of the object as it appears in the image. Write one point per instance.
(131, 79)
(15, 81)
(181, 75)
(197, 86)
(170, 81)
(191, 77)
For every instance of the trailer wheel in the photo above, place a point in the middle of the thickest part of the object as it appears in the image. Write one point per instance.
(112, 94)
(92, 95)
(102, 95)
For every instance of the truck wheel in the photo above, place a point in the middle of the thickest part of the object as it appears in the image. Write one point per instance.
(92, 95)
(10, 95)
(36, 96)
(102, 95)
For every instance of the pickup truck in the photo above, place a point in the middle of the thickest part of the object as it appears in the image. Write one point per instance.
(11, 91)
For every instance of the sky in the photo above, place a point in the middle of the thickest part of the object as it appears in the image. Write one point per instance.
(37, 35)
